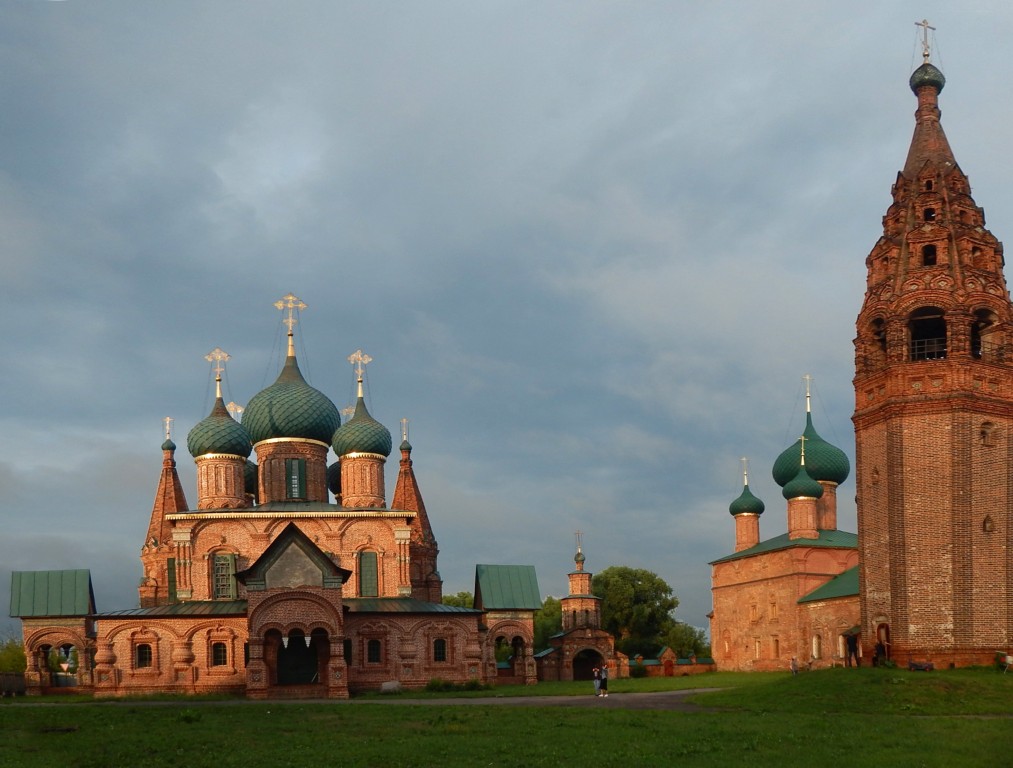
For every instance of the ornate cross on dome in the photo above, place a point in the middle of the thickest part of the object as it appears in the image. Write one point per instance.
(802, 440)
(235, 410)
(360, 360)
(292, 303)
(745, 470)
(808, 379)
(168, 426)
(926, 51)
(404, 430)
(217, 357)
(578, 534)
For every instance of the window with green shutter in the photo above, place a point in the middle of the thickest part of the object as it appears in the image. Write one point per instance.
(223, 577)
(368, 581)
(170, 575)
(295, 477)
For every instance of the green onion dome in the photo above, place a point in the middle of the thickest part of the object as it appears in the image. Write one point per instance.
(334, 478)
(823, 461)
(361, 434)
(168, 445)
(250, 484)
(291, 408)
(746, 502)
(802, 485)
(219, 433)
(927, 74)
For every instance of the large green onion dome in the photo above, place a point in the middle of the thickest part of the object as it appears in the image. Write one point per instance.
(823, 461)
(361, 434)
(802, 485)
(291, 408)
(746, 502)
(219, 433)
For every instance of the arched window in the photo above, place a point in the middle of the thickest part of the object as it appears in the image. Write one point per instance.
(982, 326)
(928, 334)
(369, 585)
(929, 255)
(929, 214)
(817, 647)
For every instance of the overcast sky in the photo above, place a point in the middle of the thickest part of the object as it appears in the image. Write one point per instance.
(592, 247)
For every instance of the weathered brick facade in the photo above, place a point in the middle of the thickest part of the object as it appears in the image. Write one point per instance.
(933, 415)
(269, 589)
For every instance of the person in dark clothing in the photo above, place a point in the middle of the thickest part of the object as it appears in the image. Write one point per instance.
(605, 682)
(852, 642)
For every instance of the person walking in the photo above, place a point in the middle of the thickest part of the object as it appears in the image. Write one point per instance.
(597, 681)
(604, 681)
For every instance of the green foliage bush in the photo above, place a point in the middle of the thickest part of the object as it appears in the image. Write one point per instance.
(12, 656)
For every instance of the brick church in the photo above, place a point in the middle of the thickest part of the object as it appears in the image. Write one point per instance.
(268, 587)
(929, 576)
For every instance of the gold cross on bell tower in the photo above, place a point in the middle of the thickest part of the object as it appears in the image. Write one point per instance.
(926, 51)
(218, 357)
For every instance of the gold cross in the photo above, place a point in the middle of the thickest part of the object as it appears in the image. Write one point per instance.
(360, 360)
(404, 430)
(168, 427)
(293, 304)
(924, 24)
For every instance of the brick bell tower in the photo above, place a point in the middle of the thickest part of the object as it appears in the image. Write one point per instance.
(934, 415)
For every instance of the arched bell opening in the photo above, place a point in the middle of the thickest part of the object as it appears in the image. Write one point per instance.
(927, 333)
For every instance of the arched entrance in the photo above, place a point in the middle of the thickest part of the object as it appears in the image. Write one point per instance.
(296, 658)
(585, 662)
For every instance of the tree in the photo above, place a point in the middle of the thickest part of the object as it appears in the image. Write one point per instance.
(687, 641)
(12, 656)
(636, 608)
(548, 622)
(460, 600)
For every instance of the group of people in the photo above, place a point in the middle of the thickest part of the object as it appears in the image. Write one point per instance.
(601, 681)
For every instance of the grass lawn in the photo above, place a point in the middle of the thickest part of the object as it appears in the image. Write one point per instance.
(840, 717)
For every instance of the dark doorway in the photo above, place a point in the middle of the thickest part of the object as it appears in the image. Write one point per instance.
(584, 664)
(298, 660)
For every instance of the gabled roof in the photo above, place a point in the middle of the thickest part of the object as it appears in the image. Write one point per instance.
(829, 539)
(506, 587)
(52, 593)
(843, 585)
(258, 575)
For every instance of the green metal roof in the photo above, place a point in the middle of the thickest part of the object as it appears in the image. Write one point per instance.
(843, 585)
(400, 605)
(831, 539)
(52, 593)
(507, 587)
(189, 608)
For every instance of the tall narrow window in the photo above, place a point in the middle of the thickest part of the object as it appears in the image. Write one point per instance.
(346, 646)
(295, 476)
(817, 647)
(928, 255)
(368, 581)
(170, 577)
(224, 577)
(439, 649)
(929, 214)
(373, 652)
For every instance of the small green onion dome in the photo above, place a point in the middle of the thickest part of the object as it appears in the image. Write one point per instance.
(579, 557)
(291, 408)
(361, 434)
(746, 502)
(168, 445)
(802, 485)
(334, 478)
(218, 433)
(405, 446)
(927, 74)
(250, 473)
(823, 461)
